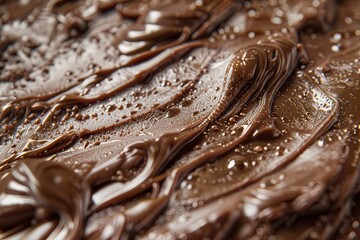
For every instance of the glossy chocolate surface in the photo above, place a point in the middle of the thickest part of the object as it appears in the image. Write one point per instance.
(151, 119)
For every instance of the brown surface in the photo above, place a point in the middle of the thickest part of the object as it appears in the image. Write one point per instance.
(179, 119)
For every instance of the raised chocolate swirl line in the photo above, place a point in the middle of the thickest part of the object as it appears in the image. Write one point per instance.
(265, 64)
(164, 26)
(72, 96)
(43, 102)
(155, 27)
(43, 191)
(48, 148)
(273, 58)
(136, 8)
(141, 74)
(156, 153)
(278, 56)
(165, 147)
(263, 201)
(237, 76)
(325, 113)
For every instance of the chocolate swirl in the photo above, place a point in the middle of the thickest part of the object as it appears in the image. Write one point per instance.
(275, 196)
(35, 191)
(172, 23)
(155, 153)
(267, 63)
(173, 123)
(274, 54)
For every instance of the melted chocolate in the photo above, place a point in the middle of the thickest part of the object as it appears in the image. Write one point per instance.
(179, 119)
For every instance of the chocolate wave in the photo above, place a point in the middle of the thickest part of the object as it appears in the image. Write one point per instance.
(238, 74)
(172, 23)
(33, 191)
(273, 197)
(194, 127)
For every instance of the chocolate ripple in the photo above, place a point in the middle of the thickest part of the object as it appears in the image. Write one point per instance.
(179, 119)
(35, 190)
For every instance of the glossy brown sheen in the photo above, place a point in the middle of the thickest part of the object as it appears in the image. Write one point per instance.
(151, 119)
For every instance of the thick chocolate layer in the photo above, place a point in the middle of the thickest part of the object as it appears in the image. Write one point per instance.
(179, 119)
